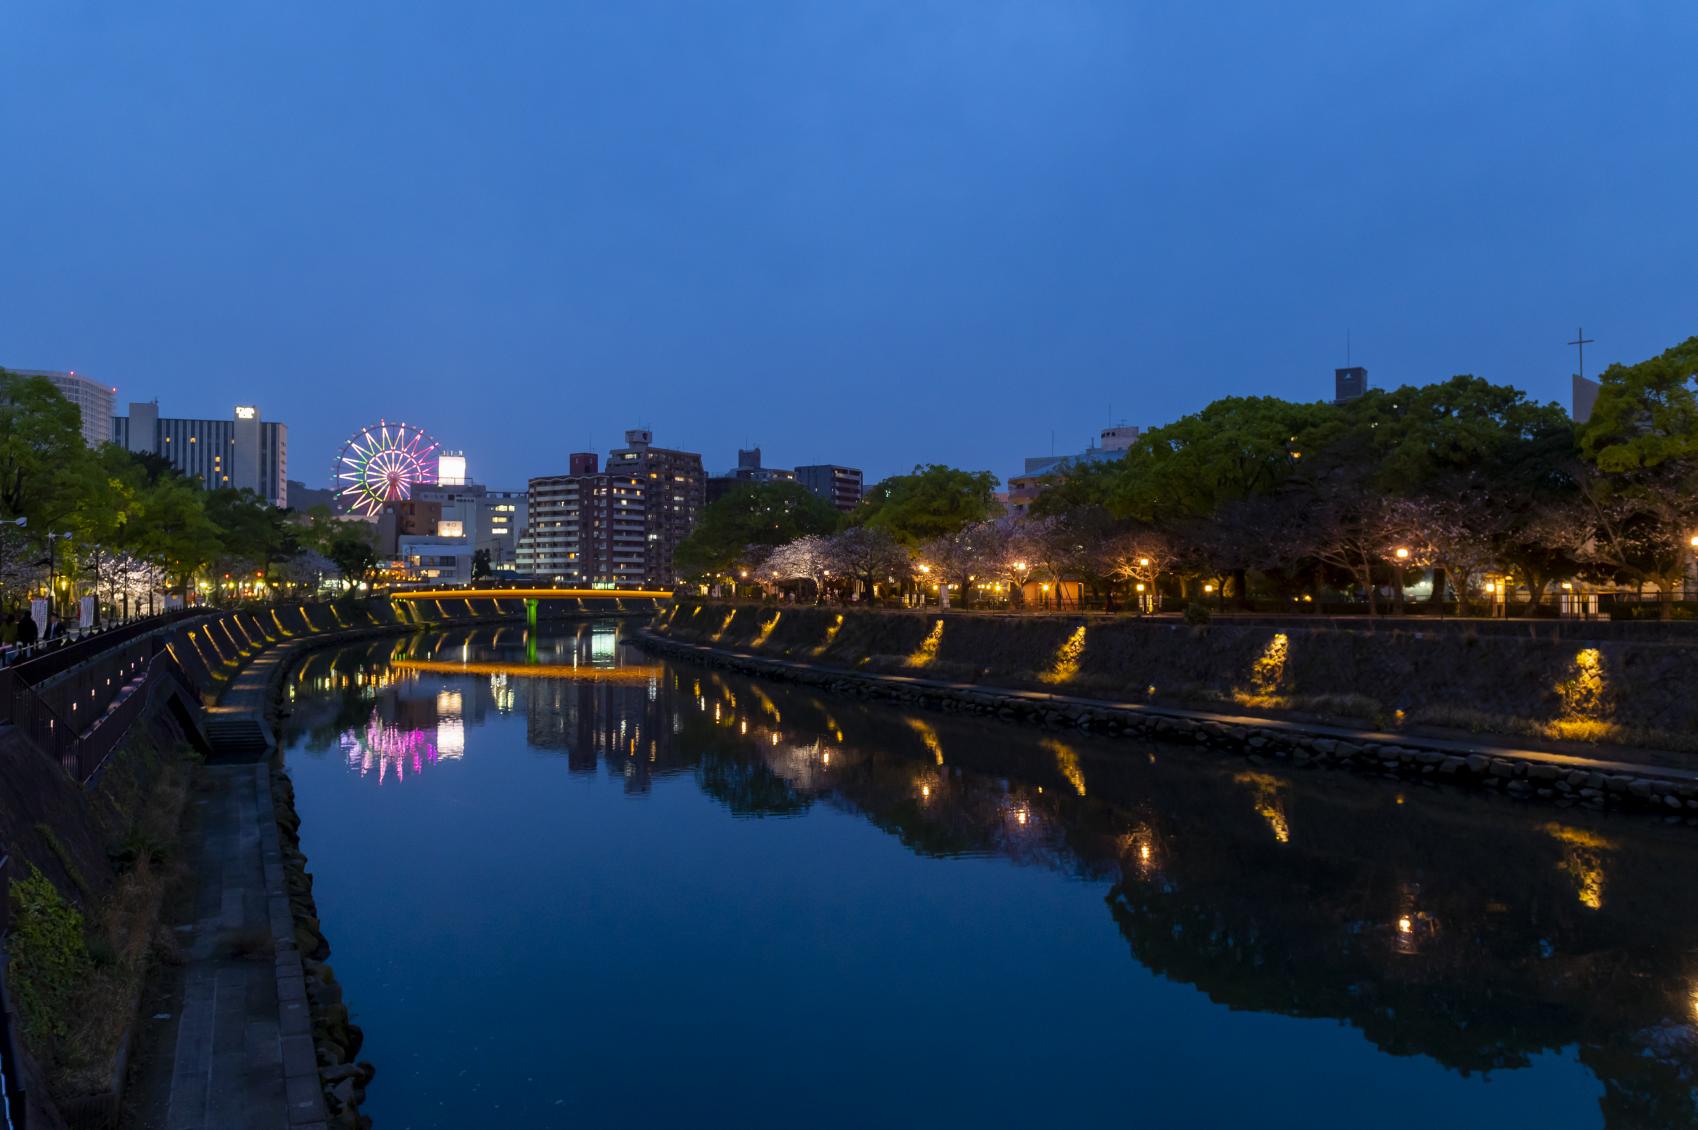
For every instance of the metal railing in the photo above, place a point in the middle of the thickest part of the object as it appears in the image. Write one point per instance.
(41, 661)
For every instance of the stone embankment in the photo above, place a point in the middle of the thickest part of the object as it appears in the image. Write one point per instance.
(336, 1038)
(1558, 778)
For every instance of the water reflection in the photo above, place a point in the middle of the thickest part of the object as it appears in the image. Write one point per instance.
(1471, 931)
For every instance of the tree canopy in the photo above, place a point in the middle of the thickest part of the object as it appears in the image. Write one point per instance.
(752, 515)
(931, 502)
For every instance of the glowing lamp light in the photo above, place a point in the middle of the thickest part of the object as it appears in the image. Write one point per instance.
(1405, 925)
(1208, 588)
(1402, 553)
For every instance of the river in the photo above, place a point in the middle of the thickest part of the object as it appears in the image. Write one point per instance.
(570, 885)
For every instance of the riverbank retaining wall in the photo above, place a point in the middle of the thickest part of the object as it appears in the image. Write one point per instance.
(1626, 691)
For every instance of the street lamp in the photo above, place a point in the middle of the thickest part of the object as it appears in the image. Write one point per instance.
(1402, 553)
(52, 598)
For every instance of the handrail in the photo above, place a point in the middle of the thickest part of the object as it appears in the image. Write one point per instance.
(52, 657)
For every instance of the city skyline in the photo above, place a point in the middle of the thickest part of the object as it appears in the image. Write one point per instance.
(938, 233)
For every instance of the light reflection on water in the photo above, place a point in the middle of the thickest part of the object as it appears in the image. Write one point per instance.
(900, 903)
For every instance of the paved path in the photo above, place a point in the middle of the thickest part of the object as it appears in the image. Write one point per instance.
(234, 1049)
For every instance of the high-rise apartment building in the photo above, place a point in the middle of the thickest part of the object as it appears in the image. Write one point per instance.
(619, 525)
(748, 470)
(242, 453)
(586, 527)
(840, 486)
(674, 494)
(93, 401)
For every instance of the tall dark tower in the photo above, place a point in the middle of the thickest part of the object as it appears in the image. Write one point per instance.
(1349, 384)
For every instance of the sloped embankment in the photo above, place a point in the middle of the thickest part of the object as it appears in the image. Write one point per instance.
(1624, 691)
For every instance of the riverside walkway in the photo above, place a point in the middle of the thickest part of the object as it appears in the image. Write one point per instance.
(229, 1043)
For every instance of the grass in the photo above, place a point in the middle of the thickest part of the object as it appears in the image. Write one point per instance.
(124, 935)
(1589, 731)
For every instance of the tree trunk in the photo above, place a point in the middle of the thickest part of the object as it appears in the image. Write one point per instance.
(1437, 595)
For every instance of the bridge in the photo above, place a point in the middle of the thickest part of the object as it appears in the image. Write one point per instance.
(505, 602)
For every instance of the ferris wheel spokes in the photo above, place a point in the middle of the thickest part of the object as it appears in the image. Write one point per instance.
(374, 469)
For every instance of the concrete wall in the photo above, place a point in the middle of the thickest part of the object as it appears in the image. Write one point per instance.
(1631, 691)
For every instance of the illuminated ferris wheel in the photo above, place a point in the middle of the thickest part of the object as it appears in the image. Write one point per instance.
(382, 463)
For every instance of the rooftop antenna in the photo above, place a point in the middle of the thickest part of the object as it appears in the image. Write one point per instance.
(1580, 342)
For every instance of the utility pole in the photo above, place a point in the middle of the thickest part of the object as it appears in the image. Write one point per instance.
(1580, 342)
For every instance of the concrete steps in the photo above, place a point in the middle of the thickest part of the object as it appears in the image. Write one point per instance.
(236, 739)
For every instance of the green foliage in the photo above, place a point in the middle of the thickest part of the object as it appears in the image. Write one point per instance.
(1234, 448)
(57, 847)
(480, 565)
(1646, 414)
(251, 532)
(352, 552)
(1198, 613)
(933, 502)
(754, 514)
(42, 453)
(49, 957)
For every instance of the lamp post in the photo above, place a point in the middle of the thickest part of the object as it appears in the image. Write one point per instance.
(1693, 542)
(52, 574)
(1401, 553)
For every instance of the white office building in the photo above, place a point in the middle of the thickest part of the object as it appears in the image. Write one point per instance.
(92, 398)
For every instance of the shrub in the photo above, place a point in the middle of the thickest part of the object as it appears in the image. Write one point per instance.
(49, 957)
(1197, 613)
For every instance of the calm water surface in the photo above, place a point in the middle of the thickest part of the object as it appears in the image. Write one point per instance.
(567, 885)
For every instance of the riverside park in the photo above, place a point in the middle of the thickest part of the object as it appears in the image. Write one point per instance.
(905, 563)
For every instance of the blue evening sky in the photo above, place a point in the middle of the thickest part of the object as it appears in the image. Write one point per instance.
(865, 232)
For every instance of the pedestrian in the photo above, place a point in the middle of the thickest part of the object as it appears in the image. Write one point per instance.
(26, 629)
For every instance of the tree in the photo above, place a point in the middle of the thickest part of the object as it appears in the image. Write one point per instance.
(1450, 533)
(178, 537)
(252, 533)
(807, 558)
(1140, 555)
(754, 514)
(866, 555)
(1643, 440)
(480, 564)
(41, 450)
(353, 553)
(1232, 449)
(931, 502)
(1646, 415)
(962, 556)
(106, 506)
